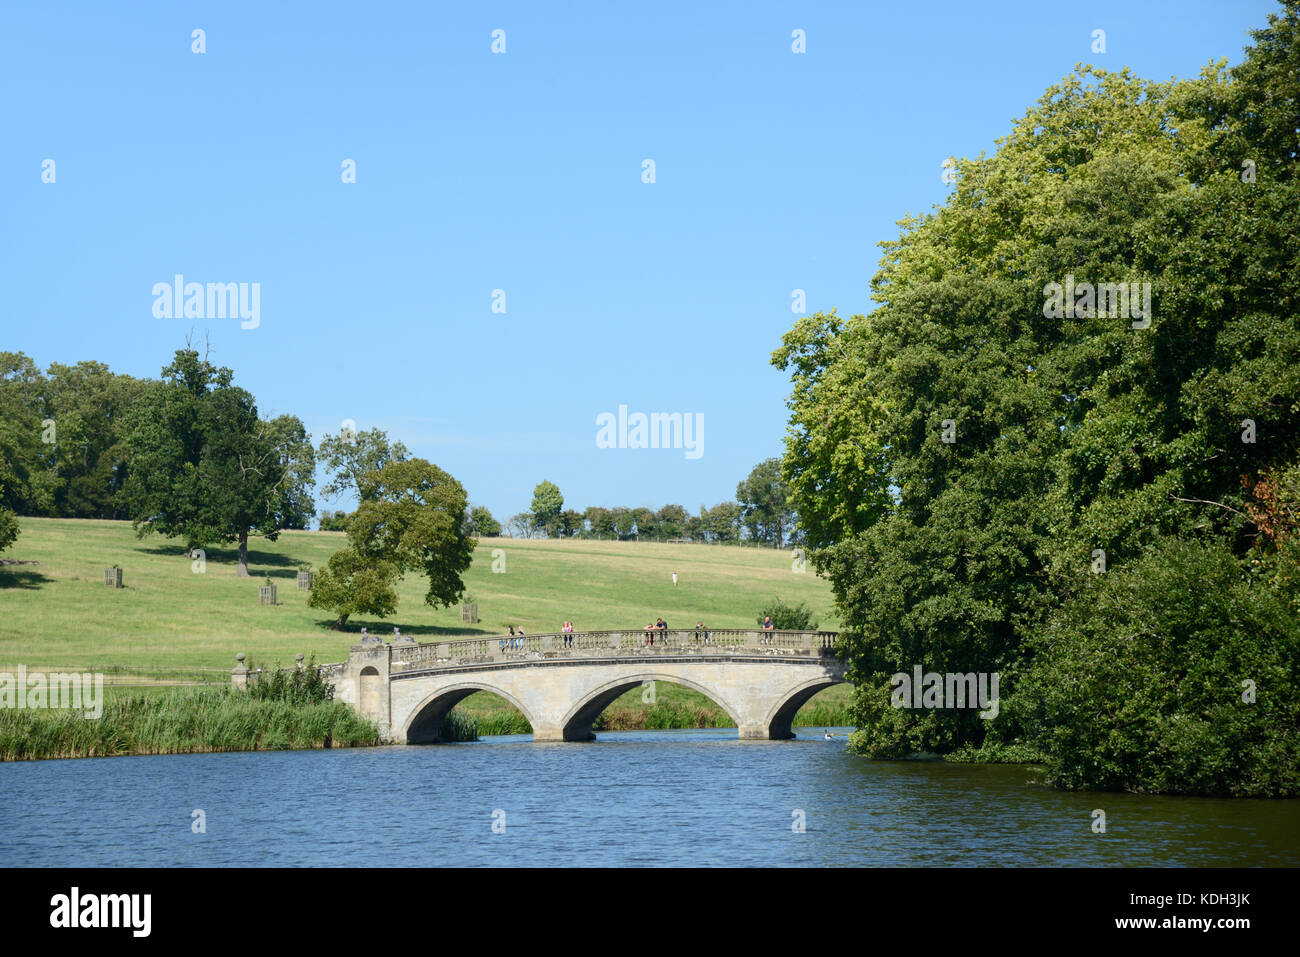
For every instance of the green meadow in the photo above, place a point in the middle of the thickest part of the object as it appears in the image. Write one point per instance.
(176, 621)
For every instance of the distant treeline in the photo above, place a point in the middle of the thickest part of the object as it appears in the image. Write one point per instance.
(762, 516)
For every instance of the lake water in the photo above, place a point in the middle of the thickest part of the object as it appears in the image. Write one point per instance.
(643, 798)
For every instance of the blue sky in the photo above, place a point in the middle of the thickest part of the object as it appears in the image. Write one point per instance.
(522, 172)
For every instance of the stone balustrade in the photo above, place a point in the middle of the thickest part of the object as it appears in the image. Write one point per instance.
(506, 649)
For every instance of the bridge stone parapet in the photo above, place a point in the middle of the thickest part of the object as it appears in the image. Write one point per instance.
(561, 683)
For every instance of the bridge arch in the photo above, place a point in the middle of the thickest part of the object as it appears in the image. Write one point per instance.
(426, 717)
(779, 720)
(576, 725)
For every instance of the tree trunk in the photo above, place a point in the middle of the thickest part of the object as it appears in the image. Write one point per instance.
(242, 570)
(343, 620)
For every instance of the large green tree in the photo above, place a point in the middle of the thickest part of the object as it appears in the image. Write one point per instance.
(600, 522)
(204, 465)
(764, 500)
(9, 527)
(548, 504)
(722, 523)
(646, 523)
(965, 459)
(87, 405)
(412, 515)
(670, 521)
(570, 523)
(26, 452)
(62, 436)
(481, 522)
(354, 584)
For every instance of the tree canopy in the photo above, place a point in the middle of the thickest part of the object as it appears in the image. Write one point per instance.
(205, 466)
(764, 501)
(411, 514)
(481, 522)
(350, 454)
(547, 505)
(965, 460)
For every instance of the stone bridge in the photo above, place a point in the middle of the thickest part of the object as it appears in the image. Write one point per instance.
(561, 683)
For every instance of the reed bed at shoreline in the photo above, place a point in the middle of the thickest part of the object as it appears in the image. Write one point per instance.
(182, 721)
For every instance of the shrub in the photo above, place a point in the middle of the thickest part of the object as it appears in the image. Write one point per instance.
(1141, 680)
(788, 617)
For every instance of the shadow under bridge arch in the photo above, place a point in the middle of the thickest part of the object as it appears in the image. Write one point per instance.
(779, 720)
(426, 717)
(577, 723)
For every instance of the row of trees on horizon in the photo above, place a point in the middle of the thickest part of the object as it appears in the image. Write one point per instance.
(761, 515)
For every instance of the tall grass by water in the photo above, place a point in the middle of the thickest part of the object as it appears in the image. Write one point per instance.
(459, 727)
(285, 715)
(182, 721)
(500, 722)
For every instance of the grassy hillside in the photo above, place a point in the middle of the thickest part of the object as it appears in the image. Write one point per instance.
(170, 620)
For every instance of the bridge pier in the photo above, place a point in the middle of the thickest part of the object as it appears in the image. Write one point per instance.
(761, 732)
(553, 732)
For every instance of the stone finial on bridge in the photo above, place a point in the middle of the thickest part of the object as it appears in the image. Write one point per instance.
(239, 673)
(298, 659)
(401, 639)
